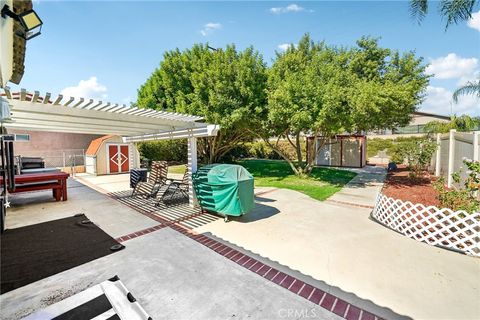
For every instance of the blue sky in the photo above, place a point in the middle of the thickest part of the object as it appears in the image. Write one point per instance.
(106, 50)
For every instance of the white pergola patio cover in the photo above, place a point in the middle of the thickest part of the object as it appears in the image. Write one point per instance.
(78, 115)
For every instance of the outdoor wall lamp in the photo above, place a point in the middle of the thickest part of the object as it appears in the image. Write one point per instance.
(29, 20)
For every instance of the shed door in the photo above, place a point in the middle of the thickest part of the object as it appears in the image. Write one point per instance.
(118, 158)
(124, 158)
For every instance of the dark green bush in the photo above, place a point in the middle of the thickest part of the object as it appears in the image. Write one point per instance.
(461, 197)
(260, 150)
(167, 150)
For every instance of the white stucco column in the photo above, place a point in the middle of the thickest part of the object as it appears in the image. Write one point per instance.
(192, 168)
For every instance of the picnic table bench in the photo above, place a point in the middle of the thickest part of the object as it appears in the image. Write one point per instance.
(56, 181)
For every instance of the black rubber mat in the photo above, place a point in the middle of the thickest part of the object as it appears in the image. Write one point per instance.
(38, 251)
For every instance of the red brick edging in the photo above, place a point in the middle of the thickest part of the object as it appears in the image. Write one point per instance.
(350, 204)
(297, 286)
(315, 295)
(140, 233)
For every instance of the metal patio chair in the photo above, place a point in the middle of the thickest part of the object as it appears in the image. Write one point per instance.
(176, 187)
(156, 179)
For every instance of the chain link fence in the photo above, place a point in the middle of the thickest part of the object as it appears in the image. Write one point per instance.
(70, 158)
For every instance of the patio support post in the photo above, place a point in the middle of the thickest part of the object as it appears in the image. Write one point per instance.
(438, 157)
(192, 168)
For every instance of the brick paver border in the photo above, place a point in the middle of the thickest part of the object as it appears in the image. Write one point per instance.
(315, 295)
(350, 204)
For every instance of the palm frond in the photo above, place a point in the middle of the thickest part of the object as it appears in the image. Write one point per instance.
(418, 9)
(470, 87)
(455, 11)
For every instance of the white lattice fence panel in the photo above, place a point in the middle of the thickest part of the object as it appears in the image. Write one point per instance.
(458, 230)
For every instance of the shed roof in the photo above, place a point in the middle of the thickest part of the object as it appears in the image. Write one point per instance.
(96, 144)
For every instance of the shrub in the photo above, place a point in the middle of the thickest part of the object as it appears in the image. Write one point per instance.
(416, 151)
(260, 150)
(393, 147)
(376, 145)
(168, 150)
(461, 198)
(418, 154)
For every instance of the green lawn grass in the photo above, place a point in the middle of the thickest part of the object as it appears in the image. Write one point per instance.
(180, 169)
(321, 184)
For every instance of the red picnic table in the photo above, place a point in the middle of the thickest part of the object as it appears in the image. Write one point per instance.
(57, 181)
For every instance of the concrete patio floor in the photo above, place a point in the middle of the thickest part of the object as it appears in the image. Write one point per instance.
(171, 275)
(340, 245)
(113, 217)
(330, 245)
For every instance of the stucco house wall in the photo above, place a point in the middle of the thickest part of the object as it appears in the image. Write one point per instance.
(42, 142)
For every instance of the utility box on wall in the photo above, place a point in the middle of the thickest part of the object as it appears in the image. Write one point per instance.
(110, 155)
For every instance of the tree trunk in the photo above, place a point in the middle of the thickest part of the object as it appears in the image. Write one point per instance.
(281, 154)
(298, 149)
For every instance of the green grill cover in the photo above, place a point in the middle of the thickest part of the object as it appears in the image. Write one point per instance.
(226, 189)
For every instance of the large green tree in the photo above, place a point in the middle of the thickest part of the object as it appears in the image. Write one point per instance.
(225, 86)
(323, 90)
(453, 11)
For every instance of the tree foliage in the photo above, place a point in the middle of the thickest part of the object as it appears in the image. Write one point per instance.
(470, 88)
(324, 90)
(453, 11)
(225, 86)
(460, 123)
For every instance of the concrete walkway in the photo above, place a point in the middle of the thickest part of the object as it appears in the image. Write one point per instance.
(340, 245)
(363, 189)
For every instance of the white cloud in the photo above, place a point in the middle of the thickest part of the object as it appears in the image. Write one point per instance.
(290, 8)
(285, 46)
(474, 21)
(439, 101)
(453, 66)
(210, 27)
(87, 89)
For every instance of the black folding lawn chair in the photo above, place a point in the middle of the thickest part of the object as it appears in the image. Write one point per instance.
(176, 189)
(156, 179)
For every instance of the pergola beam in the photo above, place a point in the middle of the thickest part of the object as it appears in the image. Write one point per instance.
(58, 99)
(32, 112)
(46, 99)
(207, 131)
(66, 129)
(94, 128)
(91, 116)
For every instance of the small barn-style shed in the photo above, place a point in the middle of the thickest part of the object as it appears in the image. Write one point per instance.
(109, 155)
